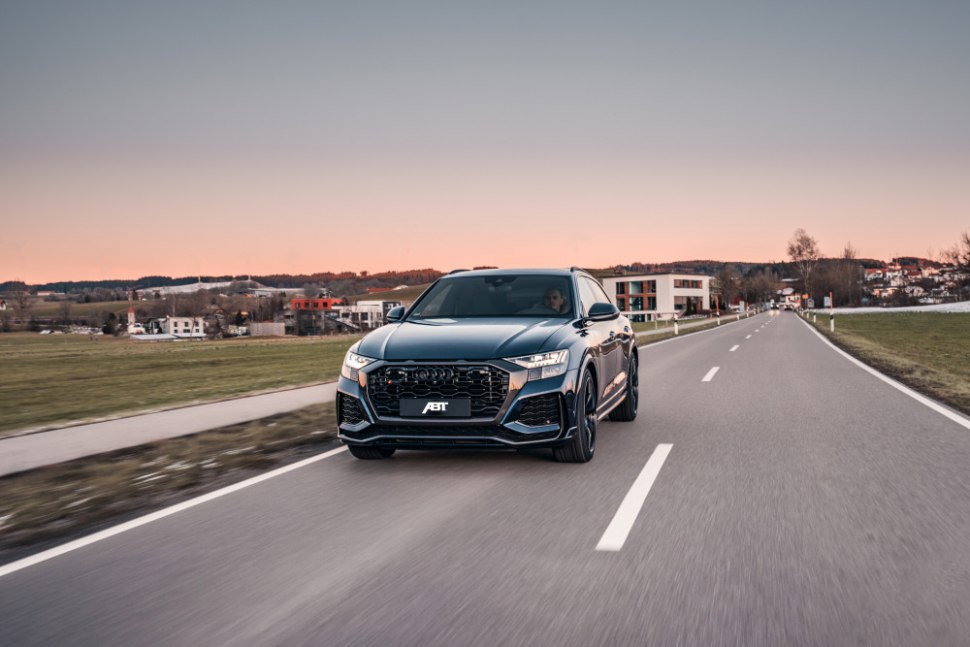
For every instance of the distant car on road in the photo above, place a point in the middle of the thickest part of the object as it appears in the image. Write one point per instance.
(491, 359)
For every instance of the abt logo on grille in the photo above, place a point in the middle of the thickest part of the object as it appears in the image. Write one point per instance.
(435, 407)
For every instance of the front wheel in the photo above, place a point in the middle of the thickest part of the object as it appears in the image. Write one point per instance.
(369, 452)
(627, 410)
(582, 445)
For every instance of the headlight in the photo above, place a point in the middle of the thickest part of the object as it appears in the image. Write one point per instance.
(352, 364)
(543, 365)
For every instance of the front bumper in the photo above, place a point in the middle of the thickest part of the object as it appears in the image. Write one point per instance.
(521, 420)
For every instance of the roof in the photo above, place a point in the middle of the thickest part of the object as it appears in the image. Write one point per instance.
(557, 271)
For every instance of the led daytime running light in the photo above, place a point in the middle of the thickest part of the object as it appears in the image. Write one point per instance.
(540, 360)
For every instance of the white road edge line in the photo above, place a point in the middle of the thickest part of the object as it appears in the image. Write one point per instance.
(710, 374)
(922, 399)
(735, 347)
(626, 515)
(13, 567)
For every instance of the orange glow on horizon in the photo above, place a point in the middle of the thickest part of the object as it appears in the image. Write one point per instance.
(115, 223)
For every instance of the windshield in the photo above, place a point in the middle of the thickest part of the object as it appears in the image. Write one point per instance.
(497, 296)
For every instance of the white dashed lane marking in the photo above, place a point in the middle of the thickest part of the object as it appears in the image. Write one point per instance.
(626, 515)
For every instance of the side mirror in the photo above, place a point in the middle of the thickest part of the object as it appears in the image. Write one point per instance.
(602, 312)
(394, 314)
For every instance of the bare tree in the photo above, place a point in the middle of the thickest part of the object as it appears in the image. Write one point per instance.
(22, 302)
(959, 254)
(760, 286)
(804, 252)
(729, 283)
(64, 309)
(843, 278)
(193, 305)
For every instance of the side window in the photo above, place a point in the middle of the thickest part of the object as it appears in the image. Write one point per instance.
(600, 293)
(586, 295)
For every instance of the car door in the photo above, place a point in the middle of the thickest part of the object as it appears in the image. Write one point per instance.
(602, 339)
(620, 333)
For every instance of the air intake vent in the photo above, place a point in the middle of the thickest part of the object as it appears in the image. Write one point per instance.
(540, 410)
(351, 413)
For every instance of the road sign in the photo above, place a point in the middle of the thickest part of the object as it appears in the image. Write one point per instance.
(811, 303)
(828, 302)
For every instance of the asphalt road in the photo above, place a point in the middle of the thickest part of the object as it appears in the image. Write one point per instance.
(803, 502)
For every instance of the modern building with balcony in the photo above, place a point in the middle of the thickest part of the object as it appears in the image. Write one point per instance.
(647, 297)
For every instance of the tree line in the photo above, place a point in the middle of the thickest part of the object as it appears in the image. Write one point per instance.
(284, 281)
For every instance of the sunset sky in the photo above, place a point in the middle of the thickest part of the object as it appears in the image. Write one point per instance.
(184, 138)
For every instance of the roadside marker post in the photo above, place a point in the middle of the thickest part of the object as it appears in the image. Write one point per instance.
(831, 314)
(676, 331)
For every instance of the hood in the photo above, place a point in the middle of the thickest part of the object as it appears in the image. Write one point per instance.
(458, 339)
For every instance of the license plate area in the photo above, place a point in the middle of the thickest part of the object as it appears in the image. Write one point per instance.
(435, 408)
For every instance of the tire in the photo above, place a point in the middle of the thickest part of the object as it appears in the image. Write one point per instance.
(627, 411)
(582, 445)
(369, 452)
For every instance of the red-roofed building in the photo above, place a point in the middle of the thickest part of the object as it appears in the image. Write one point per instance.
(315, 304)
(309, 316)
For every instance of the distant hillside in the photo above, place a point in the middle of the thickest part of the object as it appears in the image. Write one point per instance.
(355, 285)
(711, 268)
(340, 283)
(406, 296)
(915, 261)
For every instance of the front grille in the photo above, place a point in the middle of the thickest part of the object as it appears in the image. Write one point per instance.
(540, 410)
(351, 412)
(486, 386)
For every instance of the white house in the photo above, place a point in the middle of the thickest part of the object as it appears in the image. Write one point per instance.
(645, 297)
(365, 314)
(179, 327)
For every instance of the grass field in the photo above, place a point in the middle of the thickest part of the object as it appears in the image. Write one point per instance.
(929, 352)
(54, 379)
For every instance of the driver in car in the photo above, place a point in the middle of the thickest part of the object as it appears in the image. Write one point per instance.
(553, 300)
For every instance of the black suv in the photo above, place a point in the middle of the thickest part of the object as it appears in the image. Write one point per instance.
(492, 358)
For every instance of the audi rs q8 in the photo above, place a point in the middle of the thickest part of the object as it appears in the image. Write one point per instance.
(491, 359)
